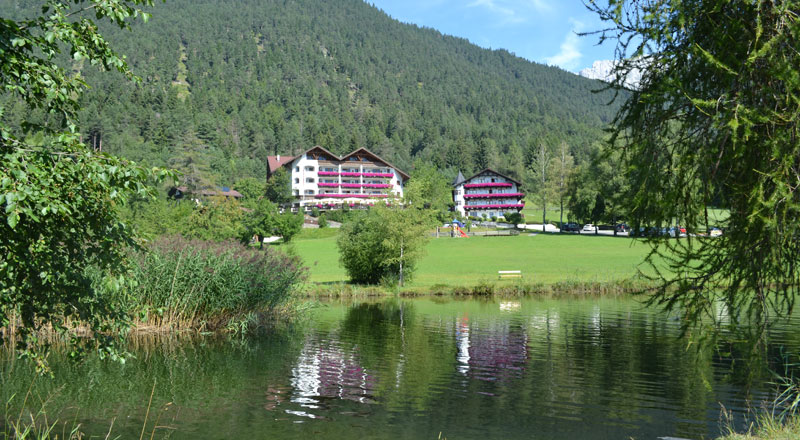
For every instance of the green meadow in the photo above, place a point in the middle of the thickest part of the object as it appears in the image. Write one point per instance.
(542, 258)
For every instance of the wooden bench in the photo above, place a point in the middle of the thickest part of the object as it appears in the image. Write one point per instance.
(509, 274)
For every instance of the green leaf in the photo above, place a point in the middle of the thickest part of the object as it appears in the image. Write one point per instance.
(12, 219)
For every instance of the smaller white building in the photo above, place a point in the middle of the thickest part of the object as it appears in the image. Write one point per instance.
(487, 194)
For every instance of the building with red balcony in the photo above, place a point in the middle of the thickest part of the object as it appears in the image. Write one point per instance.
(324, 180)
(487, 194)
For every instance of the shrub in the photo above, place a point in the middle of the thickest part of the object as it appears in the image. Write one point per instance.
(382, 244)
(315, 212)
(494, 218)
(322, 221)
(513, 217)
(193, 283)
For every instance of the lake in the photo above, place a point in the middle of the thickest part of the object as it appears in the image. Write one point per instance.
(588, 368)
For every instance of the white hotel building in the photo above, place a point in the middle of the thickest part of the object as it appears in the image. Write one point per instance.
(324, 180)
(487, 194)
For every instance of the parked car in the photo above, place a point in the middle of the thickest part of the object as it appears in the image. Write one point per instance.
(714, 232)
(677, 231)
(571, 227)
(589, 228)
(622, 227)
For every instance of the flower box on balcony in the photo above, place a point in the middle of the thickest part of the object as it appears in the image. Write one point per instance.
(376, 185)
(377, 175)
(494, 195)
(496, 206)
(326, 184)
(345, 196)
(327, 173)
(351, 174)
(351, 185)
(489, 185)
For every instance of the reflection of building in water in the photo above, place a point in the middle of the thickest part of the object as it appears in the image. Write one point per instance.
(329, 372)
(462, 341)
(491, 351)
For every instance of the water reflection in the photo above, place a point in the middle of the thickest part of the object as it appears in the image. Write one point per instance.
(491, 351)
(414, 368)
(325, 370)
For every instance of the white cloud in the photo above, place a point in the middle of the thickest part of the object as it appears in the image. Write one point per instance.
(508, 14)
(570, 53)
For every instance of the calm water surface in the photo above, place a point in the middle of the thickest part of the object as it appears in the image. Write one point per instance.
(412, 369)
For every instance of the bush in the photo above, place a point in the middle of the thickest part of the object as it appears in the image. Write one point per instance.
(315, 212)
(193, 283)
(322, 221)
(494, 218)
(513, 217)
(339, 215)
(382, 244)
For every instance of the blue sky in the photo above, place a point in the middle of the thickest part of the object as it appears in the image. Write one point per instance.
(538, 30)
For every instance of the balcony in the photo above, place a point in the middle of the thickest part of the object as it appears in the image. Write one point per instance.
(495, 206)
(354, 185)
(346, 196)
(494, 196)
(489, 185)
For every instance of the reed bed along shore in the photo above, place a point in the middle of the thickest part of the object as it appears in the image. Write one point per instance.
(202, 285)
(485, 288)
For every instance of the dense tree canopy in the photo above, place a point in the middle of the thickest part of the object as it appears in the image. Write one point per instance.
(231, 83)
(715, 118)
(60, 232)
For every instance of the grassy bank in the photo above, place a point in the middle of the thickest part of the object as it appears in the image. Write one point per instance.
(576, 263)
(769, 428)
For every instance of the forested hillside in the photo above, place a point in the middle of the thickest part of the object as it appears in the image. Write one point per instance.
(224, 84)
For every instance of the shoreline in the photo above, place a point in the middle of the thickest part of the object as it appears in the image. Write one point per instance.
(482, 289)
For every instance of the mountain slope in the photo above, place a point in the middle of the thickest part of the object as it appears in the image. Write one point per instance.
(227, 83)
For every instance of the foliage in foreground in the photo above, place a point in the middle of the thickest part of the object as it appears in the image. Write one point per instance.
(183, 283)
(383, 244)
(714, 118)
(59, 198)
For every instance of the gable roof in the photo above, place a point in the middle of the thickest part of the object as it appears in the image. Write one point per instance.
(274, 163)
(490, 171)
(375, 156)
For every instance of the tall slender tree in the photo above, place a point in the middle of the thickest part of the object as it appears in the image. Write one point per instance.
(715, 116)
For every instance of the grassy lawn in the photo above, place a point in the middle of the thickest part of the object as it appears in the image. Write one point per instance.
(468, 261)
(533, 213)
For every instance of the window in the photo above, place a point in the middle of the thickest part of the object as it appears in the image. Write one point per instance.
(296, 180)
(310, 191)
(309, 180)
(458, 192)
(309, 168)
(297, 169)
(493, 180)
(297, 192)
(458, 203)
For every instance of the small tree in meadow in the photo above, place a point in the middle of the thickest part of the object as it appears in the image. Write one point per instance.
(383, 244)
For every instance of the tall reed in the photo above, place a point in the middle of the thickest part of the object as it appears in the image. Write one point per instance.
(184, 283)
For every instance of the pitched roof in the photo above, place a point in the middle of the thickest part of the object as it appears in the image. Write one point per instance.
(490, 171)
(370, 153)
(274, 163)
(460, 178)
